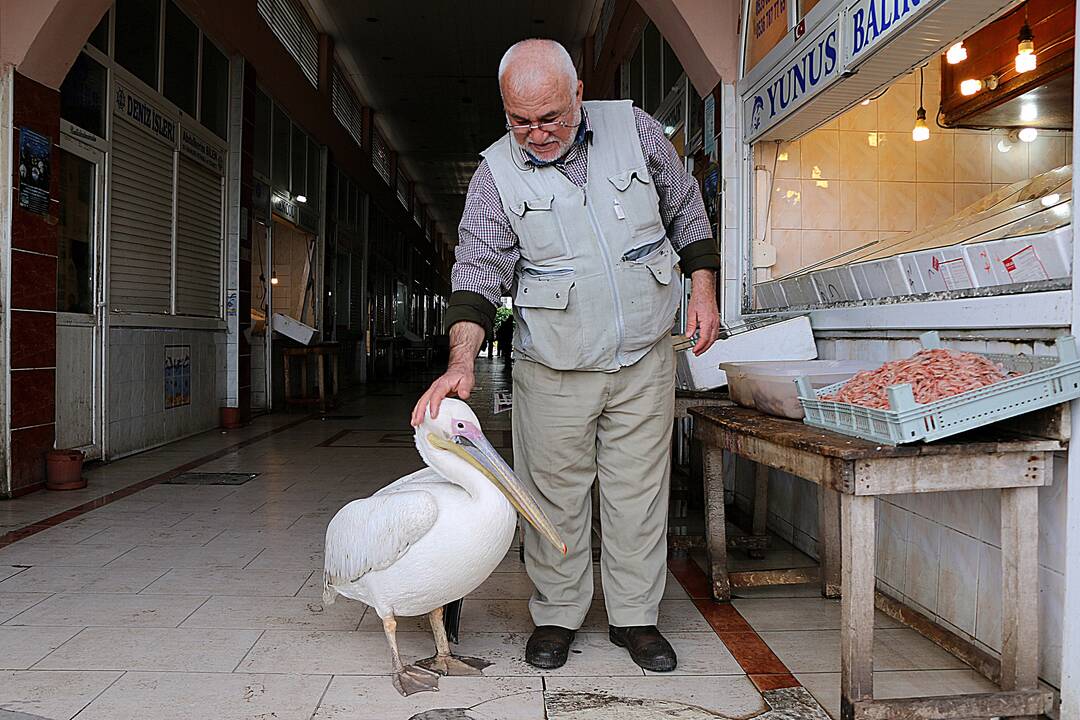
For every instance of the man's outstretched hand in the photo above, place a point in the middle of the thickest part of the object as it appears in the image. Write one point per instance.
(459, 378)
(702, 315)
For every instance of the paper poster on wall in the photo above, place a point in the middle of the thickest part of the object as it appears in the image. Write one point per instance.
(177, 375)
(35, 161)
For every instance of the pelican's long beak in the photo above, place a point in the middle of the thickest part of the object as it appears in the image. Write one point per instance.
(479, 453)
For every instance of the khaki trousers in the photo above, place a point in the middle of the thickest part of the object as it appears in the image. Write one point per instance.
(572, 428)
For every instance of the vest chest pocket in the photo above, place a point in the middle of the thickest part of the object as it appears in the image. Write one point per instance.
(636, 200)
(538, 229)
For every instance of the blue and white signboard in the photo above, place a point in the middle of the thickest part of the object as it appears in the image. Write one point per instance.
(867, 23)
(139, 111)
(813, 66)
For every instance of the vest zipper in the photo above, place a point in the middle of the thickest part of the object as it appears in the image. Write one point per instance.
(620, 330)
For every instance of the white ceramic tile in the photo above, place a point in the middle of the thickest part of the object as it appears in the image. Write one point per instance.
(162, 556)
(109, 609)
(1051, 620)
(334, 653)
(54, 579)
(924, 557)
(228, 581)
(373, 698)
(892, 543)
(988, 610)
(287, 558)
(958, 579)
(83, 555)
(51, 694)
(180, 696)
(24, 646)
(278, 613)
(145, 648)
(7, 571)
(1052, 519)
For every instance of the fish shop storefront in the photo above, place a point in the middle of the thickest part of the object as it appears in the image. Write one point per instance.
(901, 166)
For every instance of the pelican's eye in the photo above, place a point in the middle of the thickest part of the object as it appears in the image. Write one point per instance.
(461, 426)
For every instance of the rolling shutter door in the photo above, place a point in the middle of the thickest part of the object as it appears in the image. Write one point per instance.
(140, 228)
(198, 240)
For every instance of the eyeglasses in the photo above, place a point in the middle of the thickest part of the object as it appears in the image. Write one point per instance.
(546, 127)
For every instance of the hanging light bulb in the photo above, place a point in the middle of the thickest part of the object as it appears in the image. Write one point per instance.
(970, 86)
(956, 54)
(273, 277)
(921, 131)
(1025, 49)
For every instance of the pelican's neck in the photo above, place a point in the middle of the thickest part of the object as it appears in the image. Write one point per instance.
(454, 469)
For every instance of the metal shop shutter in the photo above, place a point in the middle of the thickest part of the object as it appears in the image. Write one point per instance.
(198, 240)
(140, 229)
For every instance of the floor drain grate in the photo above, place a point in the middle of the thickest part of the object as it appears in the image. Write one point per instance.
(193, 478)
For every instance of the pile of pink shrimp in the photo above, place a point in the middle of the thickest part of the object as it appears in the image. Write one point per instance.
(932, 374)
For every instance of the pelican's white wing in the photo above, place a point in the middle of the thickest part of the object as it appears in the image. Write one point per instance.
(373, 533)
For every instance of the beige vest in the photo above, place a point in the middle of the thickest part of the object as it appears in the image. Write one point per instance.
(597, 285)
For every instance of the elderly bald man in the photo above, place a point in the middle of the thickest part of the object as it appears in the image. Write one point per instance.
(584, 213)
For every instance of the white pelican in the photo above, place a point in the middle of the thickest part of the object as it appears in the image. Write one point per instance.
(430, 538)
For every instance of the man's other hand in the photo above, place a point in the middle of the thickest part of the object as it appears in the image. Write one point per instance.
(702, 315)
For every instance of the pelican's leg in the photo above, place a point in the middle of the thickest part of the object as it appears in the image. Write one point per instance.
(408, 679)
(443, 662)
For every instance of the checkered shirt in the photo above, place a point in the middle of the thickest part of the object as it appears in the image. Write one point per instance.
(487, 252)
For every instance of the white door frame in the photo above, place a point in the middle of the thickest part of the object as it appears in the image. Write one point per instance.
(98, 318)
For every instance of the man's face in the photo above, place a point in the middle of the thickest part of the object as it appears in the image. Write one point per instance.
(547, 103)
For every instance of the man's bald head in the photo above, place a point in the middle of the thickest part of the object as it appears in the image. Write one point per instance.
(532, 66)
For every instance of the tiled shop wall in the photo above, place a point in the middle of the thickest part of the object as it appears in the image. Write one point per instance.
(939, 553)
(138, 418)
(862, 178)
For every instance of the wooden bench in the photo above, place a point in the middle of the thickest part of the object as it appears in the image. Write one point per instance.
(850, 473)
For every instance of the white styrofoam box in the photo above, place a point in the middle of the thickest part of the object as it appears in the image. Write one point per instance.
(294, 329)
(1030, 258)
(900, 280)
(880, 279)
(794, 292)
(938, 270)
(790, 339)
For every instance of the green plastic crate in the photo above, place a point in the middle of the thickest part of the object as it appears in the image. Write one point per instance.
(1045, 381)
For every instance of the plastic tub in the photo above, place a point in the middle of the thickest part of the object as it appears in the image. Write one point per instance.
(770, 386)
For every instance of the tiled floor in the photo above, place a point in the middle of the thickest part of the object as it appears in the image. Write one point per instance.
(204, 602)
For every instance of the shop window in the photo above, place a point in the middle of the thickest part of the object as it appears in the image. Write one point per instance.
(261, 135)
(636, 71)
(298, 185)
(294, 30)
(100, 37)
(214, 111)
(346, 107)
(180, 81)
(138, 26)
(74, 276)
(82, 95)
(282, 134)
(314, 170)
(654, 91)
(673, 69)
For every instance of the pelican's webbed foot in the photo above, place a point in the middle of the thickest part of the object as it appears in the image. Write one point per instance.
(412, 679)
(454, 665)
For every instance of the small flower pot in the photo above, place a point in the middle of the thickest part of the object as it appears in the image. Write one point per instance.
(63, 470)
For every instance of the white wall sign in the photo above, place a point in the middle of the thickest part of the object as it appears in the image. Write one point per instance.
(202, 151)
(868, 22)
(813, 66)
(139, 111)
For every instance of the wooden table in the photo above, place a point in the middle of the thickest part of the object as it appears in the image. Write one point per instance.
(850, 473)
(320, 352)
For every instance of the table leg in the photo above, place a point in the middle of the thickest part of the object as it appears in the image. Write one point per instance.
(334, 375)
(760, 523)
(1020, 591)
(303, 377)
(829, 541)
(856, 602)
(320, 365)
(715, 528)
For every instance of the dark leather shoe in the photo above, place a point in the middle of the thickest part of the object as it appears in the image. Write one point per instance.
(548, 647)
(648, 648)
